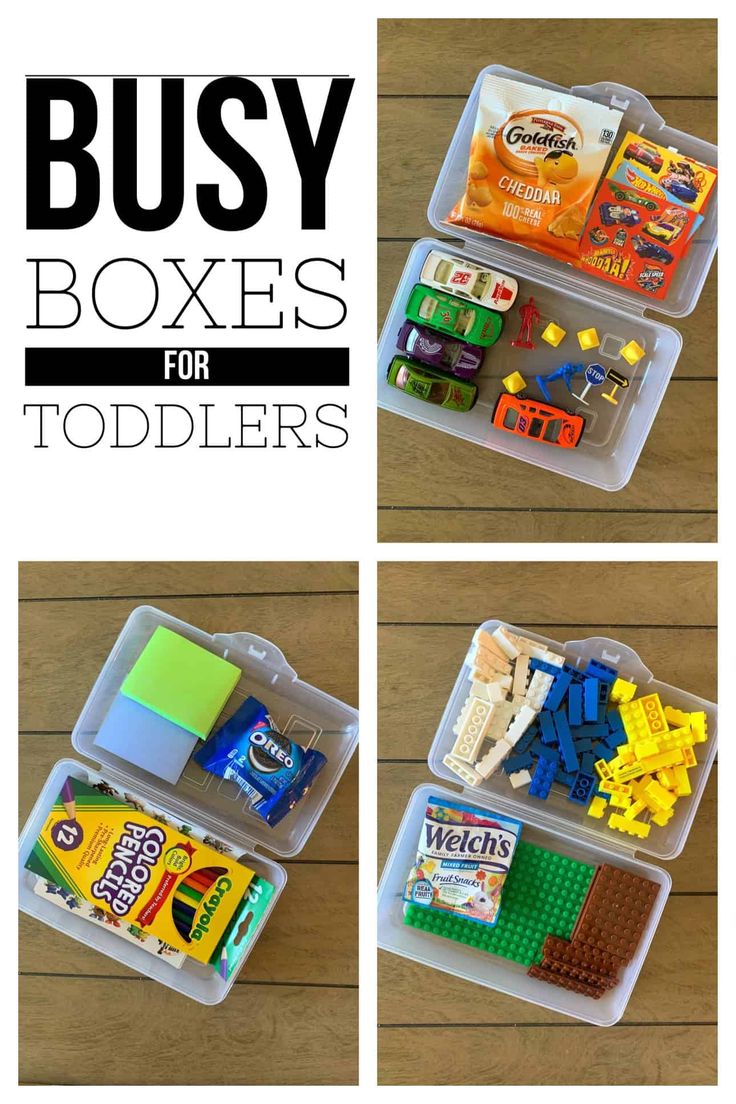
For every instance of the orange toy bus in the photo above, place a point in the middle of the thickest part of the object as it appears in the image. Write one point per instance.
(538, 421)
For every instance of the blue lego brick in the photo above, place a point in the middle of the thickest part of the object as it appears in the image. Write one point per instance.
(613, 739)
(575, 674)
(603, 689)
(587, 762)
(602, 752)
(600, 671)
(590, 732)
(549, 753)
(517, 763)
(547, 727)
(536, 748)
(581, 746)
(524, 744)
(540, 665)
(557, 692)
(582, 788)
(567, 744)
(575, 703)
(613, 719)
(565, 778)
(544, 776)
(590, 694)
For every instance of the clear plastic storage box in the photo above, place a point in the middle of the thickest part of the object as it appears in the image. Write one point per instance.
(556, 824)
(614, 435)
(210, 805)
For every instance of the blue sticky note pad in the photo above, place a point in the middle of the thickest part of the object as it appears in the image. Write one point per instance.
(146, 739)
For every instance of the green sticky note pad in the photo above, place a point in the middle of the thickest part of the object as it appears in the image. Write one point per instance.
(181, 681)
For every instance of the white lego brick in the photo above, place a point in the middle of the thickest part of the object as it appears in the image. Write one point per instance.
(538, 688)
(502, 715)
(476, 720)
(462, 770)
(492, 759)
(507, 647)
(488, 691)
(483, 639)
(504, 681)
(553, 659)
(520, 778)
(521, 674)
(520, 724)
(490, 663)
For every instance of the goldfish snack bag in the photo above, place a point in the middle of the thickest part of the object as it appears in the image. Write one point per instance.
(536, 157)
(463, 857)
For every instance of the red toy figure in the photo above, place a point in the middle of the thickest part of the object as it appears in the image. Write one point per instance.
(529, 319)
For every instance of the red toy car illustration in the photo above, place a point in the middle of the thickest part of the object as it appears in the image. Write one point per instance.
(645, 155)
(538, 421)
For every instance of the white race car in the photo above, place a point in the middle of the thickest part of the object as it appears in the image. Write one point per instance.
(469, 281)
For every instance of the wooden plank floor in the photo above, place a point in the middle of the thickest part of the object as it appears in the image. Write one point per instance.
(293, 1019)
(436, 1029)
(433, 487)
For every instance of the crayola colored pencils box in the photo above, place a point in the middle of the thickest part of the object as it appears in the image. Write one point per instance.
(105, 851)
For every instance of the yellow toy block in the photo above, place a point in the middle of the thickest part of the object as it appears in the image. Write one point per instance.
(622, 691)
(676, 717)
(688, 758)
(676, 779)
(553, 334)
(615, 764)
(634, 810)
(643, 718)
(699, 727)
(632, 353)
(660, 796)
(662, 818)
(631, 827)
(626, 773)
(625, 754)
(615, 788)
(676, 738)
(644, 748)
(588, 339)
(665, 759)
(514, 383)
(619, 801)
(602, 769)
(597, 807)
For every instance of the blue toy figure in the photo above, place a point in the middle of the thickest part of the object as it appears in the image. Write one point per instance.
(566, 372)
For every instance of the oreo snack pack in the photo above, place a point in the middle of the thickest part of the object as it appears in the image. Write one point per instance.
(248, 749)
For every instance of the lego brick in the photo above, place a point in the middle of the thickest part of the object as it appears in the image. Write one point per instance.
(602, 751)
(544, 973)
(582, 744)
(587, 762)
(485, 640)
(547, 727)
(575, 704)
(631, 827)
(490, 691)
(582, 788)
(492, 759)
(548, 753)
(666, 759)
(590, 699)
(627, 772)
(688, 758)
(626, 754)
(519, 725)
(540, 665)
(505, 644)
(567, 744)
(524, 744)
(676, 738)
(622, 691)
(615, 912)
(597, 807)
(538, 688)
(591, 732)
(633, 810)
(542, 779)
(489, 662)
(643, 717)
(613, 719)
(556, 695)
(520, 778)
(471, 732)
(675, 778)
(543, 894)
(619, 801)
(518, 762)
(601, 769)
(604, 967)
(615, 788)
(663, 817)
(699, 726)
(463, 771)
(613, 739)
(521, 673)
(661, 797)
(564, 777)
(502, 714)
(602, 672)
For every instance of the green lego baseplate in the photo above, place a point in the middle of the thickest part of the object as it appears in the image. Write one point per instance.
(543, 895)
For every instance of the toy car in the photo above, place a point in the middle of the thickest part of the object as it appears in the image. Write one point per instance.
(679, 189)
(468, 281)
(633, 197)
(416, 380)
(645, 155)
(538, 420)
(651, 250)
(612, 213)
(439, 351)
(456, 317)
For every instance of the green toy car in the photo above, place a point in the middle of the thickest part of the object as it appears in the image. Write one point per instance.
(457, 317)
(633, 197)
(423, 383)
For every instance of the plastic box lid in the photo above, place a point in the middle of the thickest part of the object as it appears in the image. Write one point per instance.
(638, 116)
(557, 813)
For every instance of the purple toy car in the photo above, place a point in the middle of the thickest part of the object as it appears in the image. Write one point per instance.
(441, 352)
(612, 213)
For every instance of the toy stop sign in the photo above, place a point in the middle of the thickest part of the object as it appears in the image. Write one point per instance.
(595, 375)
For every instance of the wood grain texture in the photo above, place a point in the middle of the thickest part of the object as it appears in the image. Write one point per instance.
(565, 51)
(434, 487)
(301, 979)
(435, 1028)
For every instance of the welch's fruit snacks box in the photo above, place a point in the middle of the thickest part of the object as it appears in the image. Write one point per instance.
(463, 857)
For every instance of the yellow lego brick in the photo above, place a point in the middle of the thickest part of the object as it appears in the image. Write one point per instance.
(676, 717)
(588, 339)
(621, 691)
(597, 807)
(643, 717)
(699, 726)
(635, 809)
(615, 764)
(665, 759)
(688, 758)
(662, 818)
(676, 738)
(553, 334)
(682, 781)
(631, 827)
(666, 777)
(643, 748)
(660, 796)
(602, 769)
(633, 770)
(619, 801)
(632, 353)
(626, 754)
(609, 787)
